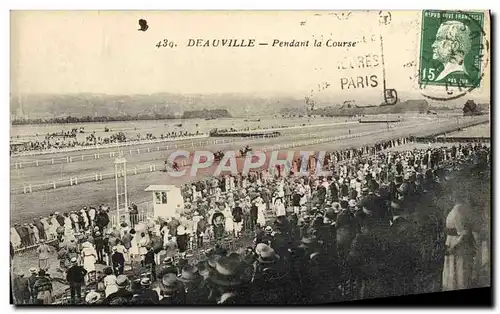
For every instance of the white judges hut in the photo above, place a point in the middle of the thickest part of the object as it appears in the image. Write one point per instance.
(167, 200)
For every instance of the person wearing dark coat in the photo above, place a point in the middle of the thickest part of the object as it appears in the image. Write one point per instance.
(42, 289)
(60, 219)
(123, 293)
(31, 283)
(21, 289)
(99, 247)
(145, 294)
(41, 229)
(118, 262)
(194, 285)
(405, 255)
(23, 234)
(334, 192)
(270, 280)
(76, 278)
(149, 262)
(102, 220)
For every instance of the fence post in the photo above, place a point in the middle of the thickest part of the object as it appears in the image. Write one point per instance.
(24, 189)
(54, 184)
(100, 176)
(37, 163)
(150, 168)
(154, 167)
(70, 159)
(148, 150)
(16, 165)
(135, 170)
(138, 151)
(76, 180)
(70, 181)
(67, 158)
(130, 152)
(82, 157)
(166, 147)
(157, 148)
(96, 177)
(31, 191)
(97, 155)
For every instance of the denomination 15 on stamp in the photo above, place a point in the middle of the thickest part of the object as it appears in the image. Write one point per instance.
(451, 48)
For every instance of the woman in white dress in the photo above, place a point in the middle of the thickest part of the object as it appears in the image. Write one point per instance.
(460, 248)
(89, 258)
(14, 237)
(228, 216)
(279, 207)
(261, 212)
(134, 245)
(110, 285)
(143, 242)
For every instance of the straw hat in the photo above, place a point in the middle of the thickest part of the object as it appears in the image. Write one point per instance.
(122, 281)
(92, 297)
(189, 274)
(226, 273)
(267, 255)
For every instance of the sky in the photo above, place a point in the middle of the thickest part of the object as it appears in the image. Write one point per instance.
(103, 52)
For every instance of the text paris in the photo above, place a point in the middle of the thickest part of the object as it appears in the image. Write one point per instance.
(240, 43)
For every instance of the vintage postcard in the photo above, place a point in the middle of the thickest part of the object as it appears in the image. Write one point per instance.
(249, 157)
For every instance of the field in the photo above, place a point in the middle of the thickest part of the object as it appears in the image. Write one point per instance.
(483, 130)
(31, 205)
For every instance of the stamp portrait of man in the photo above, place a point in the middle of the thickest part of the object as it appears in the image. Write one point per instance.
(452, 44)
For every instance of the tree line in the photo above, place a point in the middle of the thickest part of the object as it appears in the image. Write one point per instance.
(71, 119)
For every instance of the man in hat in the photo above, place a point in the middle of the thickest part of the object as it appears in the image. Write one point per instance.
(196, 290)
(226, 279)
(237, 213)
(42, 289)
(101, 219)
(123, 284)
(146, 295)
(117, 261)
(76, 278)
(172, 290)
(20, 288)
(149, 262)
(99, 247)
(31, 282)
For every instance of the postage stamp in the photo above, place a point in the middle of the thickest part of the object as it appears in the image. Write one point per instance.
(451, 48)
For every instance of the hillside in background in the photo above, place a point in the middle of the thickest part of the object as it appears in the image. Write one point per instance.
(48, 106)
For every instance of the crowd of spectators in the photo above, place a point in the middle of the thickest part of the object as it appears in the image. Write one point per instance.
(385, 223)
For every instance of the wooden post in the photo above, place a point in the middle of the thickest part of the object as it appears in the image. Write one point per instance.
(70, 181)
(157, 148)
(135, 170)
(54, 184)
(70, 159)
(31, 191)
(67, 158)
(24, 189)
(96, 177)
(148, 150)
(97, 155)
(100, 176)
(138, 151)
(82, 157)
(37, 163)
